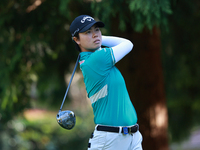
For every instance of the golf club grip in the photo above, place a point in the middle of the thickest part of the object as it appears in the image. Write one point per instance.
(70, 82)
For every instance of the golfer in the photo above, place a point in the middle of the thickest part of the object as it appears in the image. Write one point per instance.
(114, 115)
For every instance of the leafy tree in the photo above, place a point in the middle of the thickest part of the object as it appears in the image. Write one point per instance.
(35, 53)
(181, 64)
(35, 48)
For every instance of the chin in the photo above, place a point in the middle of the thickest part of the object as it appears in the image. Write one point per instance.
(94, 49)
(97, 48)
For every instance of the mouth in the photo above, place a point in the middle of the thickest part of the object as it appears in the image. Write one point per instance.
(97, 41)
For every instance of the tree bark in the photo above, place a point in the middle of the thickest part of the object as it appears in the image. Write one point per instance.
(142, 70)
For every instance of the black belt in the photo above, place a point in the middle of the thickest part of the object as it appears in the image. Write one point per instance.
(125, 130)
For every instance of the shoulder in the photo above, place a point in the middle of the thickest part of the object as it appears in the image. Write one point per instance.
(100, 56)
(103, 51)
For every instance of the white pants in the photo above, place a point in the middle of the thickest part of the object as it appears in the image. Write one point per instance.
(102, 140)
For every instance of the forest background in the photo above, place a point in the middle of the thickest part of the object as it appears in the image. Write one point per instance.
(37, 56)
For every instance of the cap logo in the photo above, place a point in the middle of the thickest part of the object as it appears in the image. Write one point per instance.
(88, 18)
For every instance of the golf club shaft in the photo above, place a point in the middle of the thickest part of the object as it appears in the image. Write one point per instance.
(69, 83)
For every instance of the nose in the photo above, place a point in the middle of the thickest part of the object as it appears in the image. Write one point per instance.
(94, 34)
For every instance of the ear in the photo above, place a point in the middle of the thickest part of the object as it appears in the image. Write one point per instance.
(76, 40)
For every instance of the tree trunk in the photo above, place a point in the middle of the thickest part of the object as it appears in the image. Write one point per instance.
(142, 70)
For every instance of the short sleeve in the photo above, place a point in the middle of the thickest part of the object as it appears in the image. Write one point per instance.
(101, 61)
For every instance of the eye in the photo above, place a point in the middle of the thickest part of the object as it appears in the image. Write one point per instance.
(97, 29)
(88, 31)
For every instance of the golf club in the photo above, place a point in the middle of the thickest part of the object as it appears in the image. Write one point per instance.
(67, 119)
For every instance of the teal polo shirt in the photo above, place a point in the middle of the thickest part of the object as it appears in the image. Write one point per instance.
(106, 89)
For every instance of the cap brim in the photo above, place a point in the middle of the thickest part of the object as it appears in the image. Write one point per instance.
(98, 23)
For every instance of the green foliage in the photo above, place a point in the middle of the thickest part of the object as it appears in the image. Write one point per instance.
(150, 13)
(35, 53)
(35, 132)
(140, 13)
(12, 73)
(34, 49)
(181, 61)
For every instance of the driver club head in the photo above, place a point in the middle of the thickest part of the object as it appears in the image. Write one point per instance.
(66, 119)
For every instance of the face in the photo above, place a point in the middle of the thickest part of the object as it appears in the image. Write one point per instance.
(89, 40)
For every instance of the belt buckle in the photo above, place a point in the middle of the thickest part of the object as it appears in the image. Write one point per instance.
(125, 130)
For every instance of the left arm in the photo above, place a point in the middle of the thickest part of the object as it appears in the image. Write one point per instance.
(120, 46)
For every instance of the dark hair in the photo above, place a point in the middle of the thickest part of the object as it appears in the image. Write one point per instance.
(76, 45)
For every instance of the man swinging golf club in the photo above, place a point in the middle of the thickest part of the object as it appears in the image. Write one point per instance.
(114, 115)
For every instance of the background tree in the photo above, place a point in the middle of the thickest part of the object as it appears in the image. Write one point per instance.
(181, 65)
(35, 53)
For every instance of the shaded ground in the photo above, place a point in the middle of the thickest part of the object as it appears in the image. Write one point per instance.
(193, 142)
